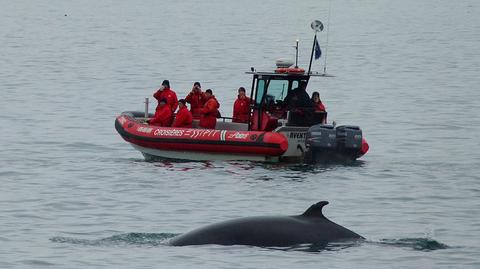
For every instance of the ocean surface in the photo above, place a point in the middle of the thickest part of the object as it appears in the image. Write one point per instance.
(73, 194)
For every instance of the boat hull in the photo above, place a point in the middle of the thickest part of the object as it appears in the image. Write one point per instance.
(200, 144)
(155, 154)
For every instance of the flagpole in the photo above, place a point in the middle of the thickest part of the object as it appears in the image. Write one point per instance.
(311, 55)
(317, 26)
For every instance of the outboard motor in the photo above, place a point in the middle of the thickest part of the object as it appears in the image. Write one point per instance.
(329, 143)
(320, 141)
(349, 137)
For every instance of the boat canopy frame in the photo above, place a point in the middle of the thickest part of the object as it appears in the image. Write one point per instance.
(269, 76)
(261, 83)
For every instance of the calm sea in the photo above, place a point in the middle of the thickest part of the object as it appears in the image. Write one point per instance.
(73, 194)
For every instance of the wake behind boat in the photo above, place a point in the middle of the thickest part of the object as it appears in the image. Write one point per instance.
(275, 130)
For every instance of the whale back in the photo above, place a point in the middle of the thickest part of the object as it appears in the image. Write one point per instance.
(310, 227)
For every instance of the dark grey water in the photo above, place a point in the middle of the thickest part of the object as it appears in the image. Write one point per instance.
(73, 194)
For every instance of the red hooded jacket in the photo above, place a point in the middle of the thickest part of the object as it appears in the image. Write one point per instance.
(319, 107)
(183, 118)
(163, 117)
(209, 113)
(168, 94)
(196, 101)
(241, 110)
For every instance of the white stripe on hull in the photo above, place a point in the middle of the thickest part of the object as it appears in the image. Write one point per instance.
(201, 156)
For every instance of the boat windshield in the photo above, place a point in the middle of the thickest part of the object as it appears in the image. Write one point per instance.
(272, 91)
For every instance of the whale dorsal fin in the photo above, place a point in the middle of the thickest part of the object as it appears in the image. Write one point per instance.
(315, 210)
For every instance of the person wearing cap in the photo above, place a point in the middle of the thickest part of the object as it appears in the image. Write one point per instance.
(209, 111)
(165, 92)
(241, 107)
(163, 115)
(298, 99)
(196, 99)
(183, 119)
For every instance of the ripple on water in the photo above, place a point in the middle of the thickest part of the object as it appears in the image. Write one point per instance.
(422, 244)
(137, 239)
(157, 239)
(38, 263)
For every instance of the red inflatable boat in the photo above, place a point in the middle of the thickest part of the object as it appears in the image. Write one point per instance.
(199, 144)
(279, 127)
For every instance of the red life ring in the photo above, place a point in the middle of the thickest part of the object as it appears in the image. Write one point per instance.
(290, 70)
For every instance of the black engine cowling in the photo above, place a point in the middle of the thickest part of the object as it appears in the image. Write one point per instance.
(329, 143)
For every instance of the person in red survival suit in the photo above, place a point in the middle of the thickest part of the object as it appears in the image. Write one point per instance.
(209, 111)
(163, 116)
(183, 119)
(241, 107)
(319, 106)
(196, 98)
(165, 92)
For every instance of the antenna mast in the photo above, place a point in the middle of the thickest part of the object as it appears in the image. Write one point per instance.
(296, 55)
(328, 31)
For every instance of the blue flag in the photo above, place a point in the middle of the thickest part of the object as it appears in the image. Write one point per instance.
(318, 51)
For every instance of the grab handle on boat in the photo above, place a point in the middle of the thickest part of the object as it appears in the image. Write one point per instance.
(146, 107)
